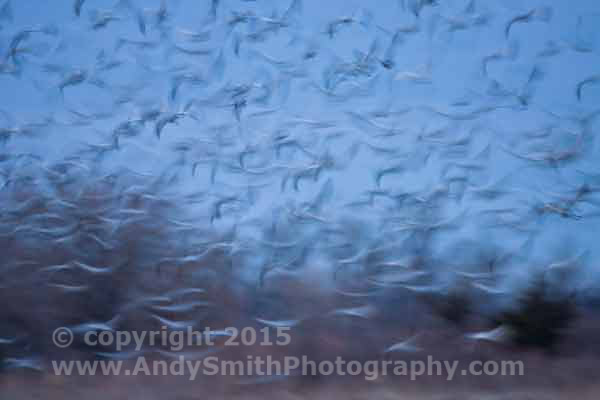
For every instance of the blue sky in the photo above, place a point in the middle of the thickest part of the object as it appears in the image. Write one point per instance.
(456, 85)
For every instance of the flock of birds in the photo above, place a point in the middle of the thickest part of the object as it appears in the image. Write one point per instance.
(293, 150)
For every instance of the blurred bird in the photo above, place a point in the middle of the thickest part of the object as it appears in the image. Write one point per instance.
(542, 13)
(366, 311)
(279, 323)
(499, 334)
(408, 345)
